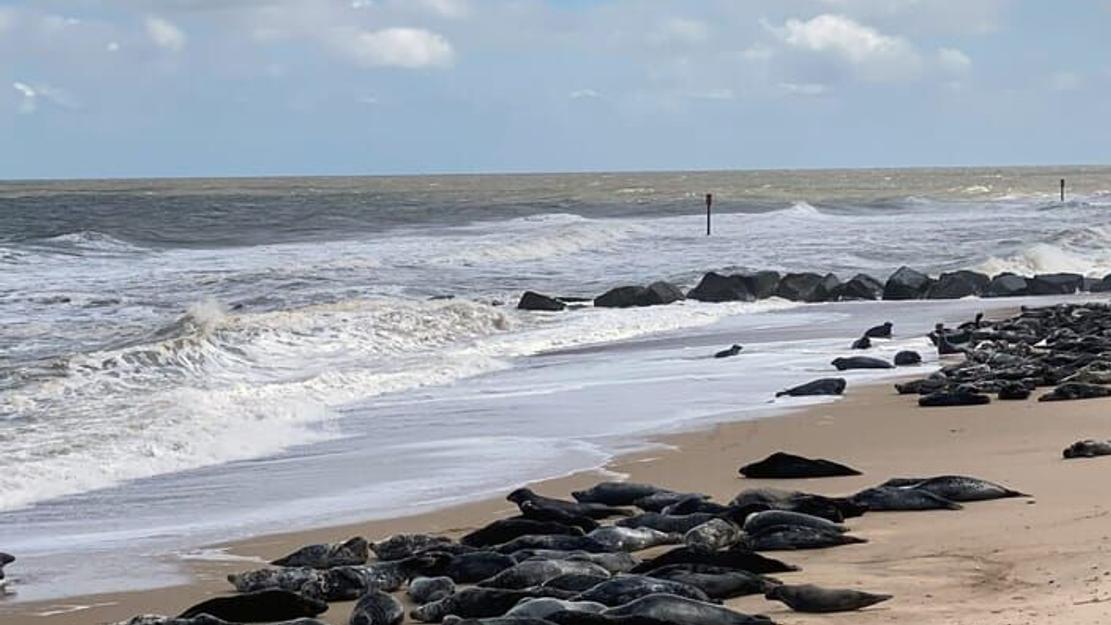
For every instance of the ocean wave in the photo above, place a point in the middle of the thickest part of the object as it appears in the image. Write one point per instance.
(542, 236)
(1045, 258)
(91, 241)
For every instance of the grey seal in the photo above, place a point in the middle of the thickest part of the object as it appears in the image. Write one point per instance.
(676, 609)
(264, 606)
(862, 343)
(625, 588)
(480, 603)
(592, 510)
(796, 537)
(614, 562)
(713, 535)
(782, 465)
(304, 580)
(576, 583)
(736, 557)
(1076, 390)
(957, 487)
(534, 512)
(468, 568)
(424, 590)
(718, 583)
(728, 353)
(377, 608)
(661, 500)
(907, 358)
(835, 509)
(810, 598)
(888, 498)
(619, 538)
(504, 530)
(823, 386)
(759, 521)
(543, 607)
(1087, 449)
(325, 556)
(882, 331)
(861, 362)
(536, 572)
(616, 493)
(667, 523)
(552, 541)
(401, 546)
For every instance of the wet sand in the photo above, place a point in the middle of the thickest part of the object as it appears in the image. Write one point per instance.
(1015, 561)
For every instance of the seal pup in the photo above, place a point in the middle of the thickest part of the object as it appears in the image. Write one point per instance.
(718, 583)
(861, 362)
(504, 530)
(592, 510)
(810, 598)
(677, 609)
(401, 546)
(542, 607)
(616, 493)
(377, 608)
(736, 557)
(781, 465)
(325, 556)
(264, 606)
(537, 572)
(957, 487)
(713, 535)
(1087, 449)
(424, 590)
(862, 343)
(798, 537)
(824, 386)
(727, 353)
(618, 538)
(667, 523)
(625, 588)
(888, 498)
(882, 331)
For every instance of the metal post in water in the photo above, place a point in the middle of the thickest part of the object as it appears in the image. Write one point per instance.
(709, 203)
(1062, 189)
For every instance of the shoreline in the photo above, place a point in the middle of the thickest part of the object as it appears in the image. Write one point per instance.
(994, 562)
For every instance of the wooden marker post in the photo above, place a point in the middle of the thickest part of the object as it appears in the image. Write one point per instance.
(1062, 189)
(709, 203)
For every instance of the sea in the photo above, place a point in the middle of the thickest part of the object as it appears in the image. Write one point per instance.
(189, 361)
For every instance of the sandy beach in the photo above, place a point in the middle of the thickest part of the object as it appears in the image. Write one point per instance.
(1009, 561)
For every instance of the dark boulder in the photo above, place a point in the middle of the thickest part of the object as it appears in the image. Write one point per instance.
(907, 358)
(715, 287)
(1101, 286)
(906, 283)
(1007, 285)
(762, 284)
(655, 294)
(661, 292)
(1055, 284)
(826, 291)
(535, 301)
(782, 465)
(799, 287)
(824, 386)
(958, 284)
(860, 287)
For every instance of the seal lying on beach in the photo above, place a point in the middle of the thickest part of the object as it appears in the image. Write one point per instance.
(781, 465)
(545, 606)
(401, 546)
(718, 583)
(824, 386)
(614, 562)
(798, 537)
(202, 619)
(1076, 390)
(693, 505)
(667, 523)
(810, 598)
(619, 538)
(861, 362)
(377, 608)
(536, 572)
(325, 556)
(264, 606)
(551, 541)
(306, 581)
(713, 535)
(468, 568)
(956, 487)
(888, 498)
(658, 501)
(962, 396)
(1014, 391)
(5, 560)
(760, 521)
(625, 588)
(480, 603)
(676, 609)
(502, 531)
(835, 509)
(737, 558)
(576, 583)
(882, 331)
(533, 512)
(616, 493)
(1088, 449)
(727, 353)
(424, 590)
(592, 510)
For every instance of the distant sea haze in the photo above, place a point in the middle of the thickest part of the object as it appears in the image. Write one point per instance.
(157, 331)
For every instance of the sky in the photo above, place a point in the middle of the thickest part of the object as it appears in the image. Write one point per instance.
(139, 88)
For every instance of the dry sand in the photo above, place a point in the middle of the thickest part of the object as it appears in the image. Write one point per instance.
(1039, 560)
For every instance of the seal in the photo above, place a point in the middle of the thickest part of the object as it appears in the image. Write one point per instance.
(667, 523)
(692, 505)
(618, 538)
(957, 487)
(303, 580)
(862, 343)
(533, 512)
(661, 500)
(823, 386)
(1014, 391)
(377, 608)
(5, 560)
(1076, 390)
(537, 572)
(888, 498)
(713, 535)
(614, 562)
(907, 358)
(736, 558)
(325, 556)
(782, 465)
(835, 509)
(592, 510)
(575, 583)
(727, 353)
(797, 537)
(504, 530)
(401, 546)
(882, 331)
(861, 362)
(1087, 449)
(718, 583)
(468, 568)
(760, 521)
(264, 606)
(962, 396)
(678, 609)
(616, 493)
(544, 606)
(557, 542)
(424, 590)
(347, 583)
(480, 603)
(625, 588)
(810, 598)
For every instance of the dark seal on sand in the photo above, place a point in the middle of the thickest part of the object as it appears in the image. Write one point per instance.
(782, 465)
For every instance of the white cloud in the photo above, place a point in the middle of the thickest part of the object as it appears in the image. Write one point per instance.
(683, 31)
(757, 52)
(811, 89)
(113, 46)
(165, 34)
(584, 94)
(954, 60)
(395, 47)
(712, 94)
(444, 8)
(34, 94)
(875, 55)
